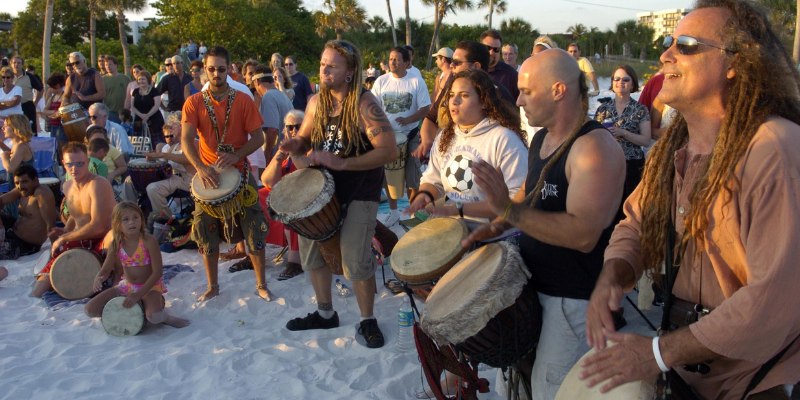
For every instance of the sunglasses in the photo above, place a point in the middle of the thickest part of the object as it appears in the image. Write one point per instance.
(492, 48)
(221, 70)
(8, 77)
(456, 63)
(169, 136)
(168, 65)
(688, 45)
(626, 79)
(73, 63)
(294, 127)
(94, 117)
(76, 164)
(288, 64)
(196, 70)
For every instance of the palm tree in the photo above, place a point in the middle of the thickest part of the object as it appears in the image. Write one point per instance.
(94, 10)
(48, 29)
(441, 8)
(391, 22)
(343, 16)
(577, 31)
(119, 7)
(408, 24)
(377, 24)
(494, 6)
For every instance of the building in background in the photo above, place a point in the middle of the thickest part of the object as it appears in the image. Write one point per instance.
(663, 22)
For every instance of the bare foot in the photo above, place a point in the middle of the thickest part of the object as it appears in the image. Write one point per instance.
(212, 292)
(176, 322)
(263, 292)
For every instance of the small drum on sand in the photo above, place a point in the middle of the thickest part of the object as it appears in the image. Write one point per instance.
(72, 274)
(305, 201)
(573, 388)
(55, 186)
(485, 307)
(75, 120)
(428, 251)
(144, 172)
(121, 321)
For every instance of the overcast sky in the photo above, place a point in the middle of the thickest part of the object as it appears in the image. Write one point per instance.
(548, 16)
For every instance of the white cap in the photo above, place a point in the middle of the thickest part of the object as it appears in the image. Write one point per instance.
(445, 52)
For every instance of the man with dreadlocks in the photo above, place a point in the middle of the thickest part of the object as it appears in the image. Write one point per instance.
(565, 208)
(724, 182)
(347, 132)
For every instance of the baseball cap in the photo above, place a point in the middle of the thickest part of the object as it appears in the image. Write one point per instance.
(445, 52)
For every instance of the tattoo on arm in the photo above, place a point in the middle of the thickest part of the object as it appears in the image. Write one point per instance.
(375, 119)
(375, 131)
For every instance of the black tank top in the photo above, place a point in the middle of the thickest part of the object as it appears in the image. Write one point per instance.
(559, 271)
(351, 185)
(84, 84)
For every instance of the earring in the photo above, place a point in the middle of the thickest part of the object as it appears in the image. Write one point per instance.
(348, 79)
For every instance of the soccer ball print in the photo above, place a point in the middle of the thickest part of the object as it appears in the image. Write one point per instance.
(459, 173)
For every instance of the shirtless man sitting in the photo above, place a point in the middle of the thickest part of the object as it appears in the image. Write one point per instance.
(37, 214)
(89, 201)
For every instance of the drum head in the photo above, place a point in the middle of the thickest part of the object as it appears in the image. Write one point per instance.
(428, 250)
(121, 321)
(69, 108)
(304, 191)
(485, 282)
(72, 274)
(574, 388)
(229, 180)
(48, 180)
(144, 163)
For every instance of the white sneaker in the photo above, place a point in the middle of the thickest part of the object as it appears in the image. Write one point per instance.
(392, 219)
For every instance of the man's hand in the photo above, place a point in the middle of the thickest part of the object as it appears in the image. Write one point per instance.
(486, 231)
(492, 184)
(54, 233)
(225, 160)
(631, 359)
(422, 151)
(294, 146)
(208, 176)
(606, 297)
(326, 159)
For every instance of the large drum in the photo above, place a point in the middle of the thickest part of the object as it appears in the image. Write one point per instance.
(485, 307)
(144, 172)
(305, 201)
(573, 388)
(429, 250)
(120, 321)
(72, 274)
(75, 120)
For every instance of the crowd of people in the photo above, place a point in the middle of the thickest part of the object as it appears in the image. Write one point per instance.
(695, 186)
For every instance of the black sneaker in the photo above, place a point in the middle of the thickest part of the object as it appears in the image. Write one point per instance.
(313, 321)
(369, 329)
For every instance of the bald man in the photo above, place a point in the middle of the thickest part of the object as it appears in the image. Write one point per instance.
(568, 227)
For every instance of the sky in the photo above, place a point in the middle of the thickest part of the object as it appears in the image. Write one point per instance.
(548, 16)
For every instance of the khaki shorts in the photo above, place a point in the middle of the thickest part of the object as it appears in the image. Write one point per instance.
(355, 239)
(250, 225)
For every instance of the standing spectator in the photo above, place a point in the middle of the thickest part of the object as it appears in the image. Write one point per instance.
(163, 70)
(283, 82)
(85, 85)
(202, 50)
(55, 90)
(11, 95)
(173, 84)
(115, 84)
(101, 64)
(273, 107)
(414, 71)
(146, 102)
(28, 83)
(586, 68)
(372, 72)
(302, 86)
(275, 61)
(191, 50)
(133, 84)
(510, 51)
(444, 57)
(502, 74)
(196, 71)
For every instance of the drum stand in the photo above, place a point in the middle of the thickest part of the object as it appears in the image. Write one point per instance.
(519, 375)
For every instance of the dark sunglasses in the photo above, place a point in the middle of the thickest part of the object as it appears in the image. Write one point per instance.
(625, 79)
(688, 45)
(168, 136)
(76, 164)
(168, 65)
(73, 63)
(491, 48)
(288, 64)
(221, 70)
(8, 77)
(456, 63)
(293, 127)
(94, 117)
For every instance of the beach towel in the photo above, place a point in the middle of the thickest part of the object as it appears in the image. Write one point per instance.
(55, 302)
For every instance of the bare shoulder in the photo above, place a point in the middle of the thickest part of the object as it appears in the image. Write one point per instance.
(597, 145)
(43, 192)
(150, 241)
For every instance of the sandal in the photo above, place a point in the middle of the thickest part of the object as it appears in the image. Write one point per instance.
(232, 254)
(291, 270)
(241, 265)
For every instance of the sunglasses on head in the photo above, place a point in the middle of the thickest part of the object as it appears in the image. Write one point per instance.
(625, 79)
(688, 45)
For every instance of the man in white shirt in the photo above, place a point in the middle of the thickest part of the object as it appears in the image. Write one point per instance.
(117, 137)
(182, 169)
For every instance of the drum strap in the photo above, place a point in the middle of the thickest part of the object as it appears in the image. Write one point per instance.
(213, 116)
(409, 293)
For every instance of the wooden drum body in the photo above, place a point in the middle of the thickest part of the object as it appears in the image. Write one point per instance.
(485, 307)
(75, 120)
(121, 321)
(72, 274)
(429, 250)
(144, 172)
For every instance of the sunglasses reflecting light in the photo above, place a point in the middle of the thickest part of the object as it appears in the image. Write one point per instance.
(688, 45)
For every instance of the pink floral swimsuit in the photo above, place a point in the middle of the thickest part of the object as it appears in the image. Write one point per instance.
(140, 258)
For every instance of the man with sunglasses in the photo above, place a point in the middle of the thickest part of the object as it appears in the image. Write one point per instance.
(182, 169)
(88, 202)
(173, 84)
(718, 203)
(274, 106)
(502, 74)
(85, 85)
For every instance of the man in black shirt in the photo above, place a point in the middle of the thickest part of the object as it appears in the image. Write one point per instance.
(173, 84)
(502, 74)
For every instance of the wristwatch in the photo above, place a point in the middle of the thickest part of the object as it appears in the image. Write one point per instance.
(460, 207)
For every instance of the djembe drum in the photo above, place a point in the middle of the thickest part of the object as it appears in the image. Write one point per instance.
(144, 172)
(72, 274)
(75, 120)
(228, 199)
(573, 388)
(120, 321)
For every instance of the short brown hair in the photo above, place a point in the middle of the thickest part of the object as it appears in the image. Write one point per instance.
(74, 147)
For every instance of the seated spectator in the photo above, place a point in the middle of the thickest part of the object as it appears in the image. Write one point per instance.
(24, 235)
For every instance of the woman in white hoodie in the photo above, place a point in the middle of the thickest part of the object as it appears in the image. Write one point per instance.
(476, 125)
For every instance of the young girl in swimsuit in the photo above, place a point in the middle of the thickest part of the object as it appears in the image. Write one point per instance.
(138, 255)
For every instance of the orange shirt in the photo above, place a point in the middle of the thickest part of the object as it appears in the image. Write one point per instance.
(244, 118)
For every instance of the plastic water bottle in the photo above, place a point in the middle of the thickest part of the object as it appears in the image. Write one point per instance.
(342, 289)
(405, 322)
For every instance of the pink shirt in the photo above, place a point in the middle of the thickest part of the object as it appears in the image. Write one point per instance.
(748, 270)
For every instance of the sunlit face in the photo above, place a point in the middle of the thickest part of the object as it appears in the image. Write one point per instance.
(494, 46)
(16, 65)
(621, 82)
(98, 117)
(697, 81)
(217, 71)
(77, 64)
(172, 133)
(460, 62)
(290, 65)
(143, 81)
(77, 164)
(509, 55)
(333, 70)
(465, 104)
(249, 71)
(574, 51)
(130, 222)
(291, 125)
(397, 65)
(8, 131)
(25, 184)
(534, 95)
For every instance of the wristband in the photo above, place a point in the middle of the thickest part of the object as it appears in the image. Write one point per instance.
(657, 354)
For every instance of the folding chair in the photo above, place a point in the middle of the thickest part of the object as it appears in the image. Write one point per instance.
(44, 155)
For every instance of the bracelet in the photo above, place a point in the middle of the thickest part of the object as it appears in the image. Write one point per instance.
(507, 210)
(657, 354)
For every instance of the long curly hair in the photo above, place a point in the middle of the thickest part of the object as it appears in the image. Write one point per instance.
(349, 123)
(766, 84)
(493, 105)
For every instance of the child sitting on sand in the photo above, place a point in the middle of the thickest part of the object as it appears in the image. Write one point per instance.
(137, 253)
